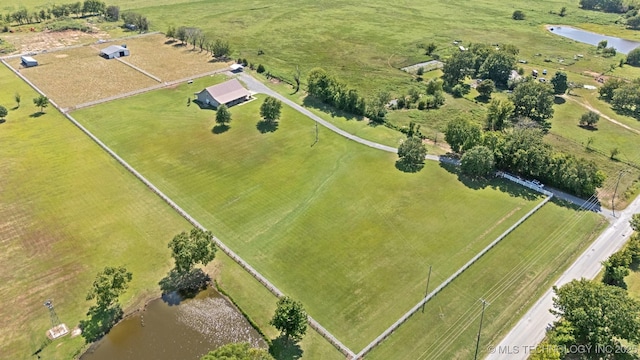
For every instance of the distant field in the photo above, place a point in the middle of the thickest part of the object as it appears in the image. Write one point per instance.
(75, 76)
(169, 61)
(335, 225)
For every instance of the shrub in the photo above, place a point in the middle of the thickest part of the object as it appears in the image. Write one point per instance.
(422, 105)
(518, 15)
(633, 58)
(260, 69)
(609, 52)
(460, 90)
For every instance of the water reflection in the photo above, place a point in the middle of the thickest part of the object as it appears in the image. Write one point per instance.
(621, 45)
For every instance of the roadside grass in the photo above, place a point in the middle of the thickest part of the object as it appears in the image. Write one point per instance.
(68, 210)
(334, 225)
(170, 61)
(511, 278)
(633, 281)
(75, 76)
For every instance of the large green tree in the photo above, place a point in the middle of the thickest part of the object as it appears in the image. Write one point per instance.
(237, 351)
(533, 100)
(485, 88)
(41, 101)
(461, 134)
(109, 284)
(191, 248)
(223, 115)
(498, 112)
(559, 82)
(635, 222)
(600, 314)
(412, 152)
(497, 67)
(290, 318)
(477, 162)
(589, 119)
(633, 57)
(457, 67)
(270, 109)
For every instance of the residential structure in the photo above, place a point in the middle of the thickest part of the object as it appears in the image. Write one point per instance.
(229, 93)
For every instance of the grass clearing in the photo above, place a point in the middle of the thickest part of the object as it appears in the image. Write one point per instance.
(67, 211)
(511, 278)
(75, 76)
(272, 198)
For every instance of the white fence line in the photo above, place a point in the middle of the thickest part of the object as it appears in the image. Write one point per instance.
(464, 267)
(528, 184)
(313, 323)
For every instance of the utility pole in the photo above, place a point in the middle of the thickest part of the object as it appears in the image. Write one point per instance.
(315, 142)
(427, 291)
(484, 304)
(613, 206)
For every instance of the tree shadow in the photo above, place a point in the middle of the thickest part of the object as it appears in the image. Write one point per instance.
(178, 286)
(493, 182)
(627, 112)
(266, 126)
(559, 100)
(2, 121)
(408, 167)
(588, 127)
(37, 114)
(220, 128)
(15, 108)
(310, 101)
(100, 322)
(482, 99)
(170, 41)
(285, 349)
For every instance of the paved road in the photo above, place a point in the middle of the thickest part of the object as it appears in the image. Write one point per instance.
(530, 330)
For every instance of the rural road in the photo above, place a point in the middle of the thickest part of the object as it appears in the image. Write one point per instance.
(530, 330)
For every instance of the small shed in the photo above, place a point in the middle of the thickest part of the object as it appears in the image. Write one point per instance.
(229, 93)
(236, 68)
(114, 51)
(28, 61)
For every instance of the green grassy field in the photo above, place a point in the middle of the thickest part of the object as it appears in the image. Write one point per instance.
(511, 278)
(67, 211)
(273, 198)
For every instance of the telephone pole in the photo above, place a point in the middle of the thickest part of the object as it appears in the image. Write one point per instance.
(427, 291)
(484, 304)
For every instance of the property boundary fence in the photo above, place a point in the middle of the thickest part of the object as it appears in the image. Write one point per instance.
(444, 284)
(266, 283)
(526, 183)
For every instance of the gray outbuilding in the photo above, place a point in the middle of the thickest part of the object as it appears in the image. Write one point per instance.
(28, 61)
(114, 51)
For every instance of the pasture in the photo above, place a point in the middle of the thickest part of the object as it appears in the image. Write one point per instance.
(273, 198)
(68, 210)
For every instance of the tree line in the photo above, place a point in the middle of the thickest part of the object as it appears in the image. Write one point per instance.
(335, 93)
(196, 37)
(612, 6)
(485, 61)
(79, 9)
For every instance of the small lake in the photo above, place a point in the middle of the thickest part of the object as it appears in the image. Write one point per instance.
(621, 45)
(185, 331)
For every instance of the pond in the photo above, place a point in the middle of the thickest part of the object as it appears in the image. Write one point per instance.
(185, 331)
(621, 45)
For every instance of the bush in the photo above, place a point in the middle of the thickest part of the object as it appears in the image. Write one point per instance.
(609, 52)
(260, 69)
(422, 105)
(460, 90)
(633, 58)
(518, 15)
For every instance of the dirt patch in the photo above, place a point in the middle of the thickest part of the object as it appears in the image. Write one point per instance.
(46, 40)
(61, 56)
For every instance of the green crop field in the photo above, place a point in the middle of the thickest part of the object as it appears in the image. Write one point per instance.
(335, 224)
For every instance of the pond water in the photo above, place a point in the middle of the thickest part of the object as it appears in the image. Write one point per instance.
(621, 45)
(185, 331)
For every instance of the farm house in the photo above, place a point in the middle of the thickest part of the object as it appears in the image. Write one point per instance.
(28, 61)
(229, 93)
(114, 51)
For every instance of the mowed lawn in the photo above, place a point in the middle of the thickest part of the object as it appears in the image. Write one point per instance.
(67, 210)
(334, 225)
(510, 278)
(78, 75)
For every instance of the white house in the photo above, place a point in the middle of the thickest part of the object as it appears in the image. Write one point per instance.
(229, 93)
(28, 61)
(114, 51)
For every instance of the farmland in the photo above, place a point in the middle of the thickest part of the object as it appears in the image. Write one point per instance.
(356, 267)
(332, 224)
